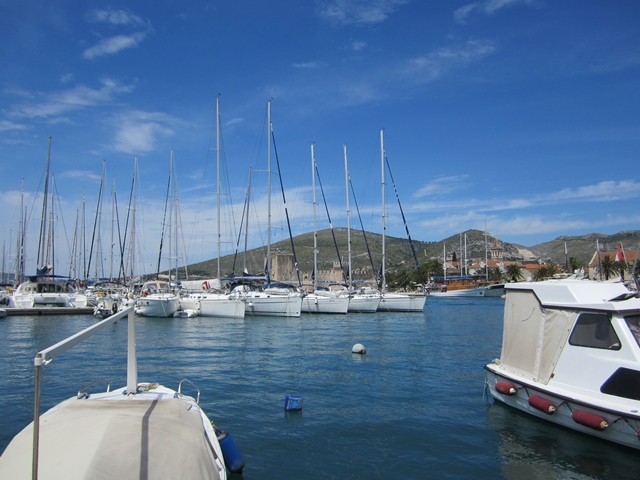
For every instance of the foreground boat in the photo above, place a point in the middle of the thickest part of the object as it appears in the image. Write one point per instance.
(571, 355)
(157, 300)
(143, 430)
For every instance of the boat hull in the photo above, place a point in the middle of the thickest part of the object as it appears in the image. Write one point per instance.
(158, 306)
(401, 302)
(313, 303)
(364, 303)
(622, 427)
(264, 304)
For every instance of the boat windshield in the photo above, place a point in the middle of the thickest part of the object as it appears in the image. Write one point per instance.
(633, 322)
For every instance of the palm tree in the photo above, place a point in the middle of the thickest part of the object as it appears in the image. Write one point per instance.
(607, 267)
(514, 273)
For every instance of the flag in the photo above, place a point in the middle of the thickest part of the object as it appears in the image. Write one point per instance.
(620, 255)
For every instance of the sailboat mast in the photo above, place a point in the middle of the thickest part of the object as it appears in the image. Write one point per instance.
(346, 180)
(315, 219)
(43, 220)
(382, 271)
(268, 266)
(218, 176)
(246, 228)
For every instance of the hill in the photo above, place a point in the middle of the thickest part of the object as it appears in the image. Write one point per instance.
(399, 254)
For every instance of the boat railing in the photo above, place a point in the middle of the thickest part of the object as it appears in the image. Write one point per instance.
(82, 393)
(46, 356)
(193, 385)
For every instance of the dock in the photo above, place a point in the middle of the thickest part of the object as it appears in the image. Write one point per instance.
(49, 311)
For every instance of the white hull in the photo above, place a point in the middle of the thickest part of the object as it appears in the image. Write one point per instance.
(158, 305)
(313, 303)
(492, 291)
(364, 303)
(214, 305)
(261, 303)
(401, 302)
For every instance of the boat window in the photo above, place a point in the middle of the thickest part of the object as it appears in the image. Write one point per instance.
(623, 383)
(633, 322)
(594, 330)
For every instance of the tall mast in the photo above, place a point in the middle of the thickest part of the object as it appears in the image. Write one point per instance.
(20, 246)
(43, 220)
(246, 228)
(315, 234)
(218, 175)
(346, 180)
(382, 272)
(268, 266)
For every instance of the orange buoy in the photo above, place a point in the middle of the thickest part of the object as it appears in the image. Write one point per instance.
(590, 420)
(505, 388)
(542, 404)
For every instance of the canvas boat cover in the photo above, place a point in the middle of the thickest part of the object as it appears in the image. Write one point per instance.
(119, 437)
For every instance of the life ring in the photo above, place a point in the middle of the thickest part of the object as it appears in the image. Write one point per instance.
(205, 285)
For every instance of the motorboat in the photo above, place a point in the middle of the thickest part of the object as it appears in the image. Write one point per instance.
(465, 286)
(571, 355)
(157, 300)
(142, 430)
(47, 291)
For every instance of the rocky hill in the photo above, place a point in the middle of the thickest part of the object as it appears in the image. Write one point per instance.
(399, 252)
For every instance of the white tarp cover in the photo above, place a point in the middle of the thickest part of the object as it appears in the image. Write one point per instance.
(106, 439)
(533, 336)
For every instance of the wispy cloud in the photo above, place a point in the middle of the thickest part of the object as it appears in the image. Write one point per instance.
(137, 131)
(358, 12)
(442, 186)
(309, 65)
(49, 105)
(358, 45)
(441, 61)
(485, 7)
(113, 44)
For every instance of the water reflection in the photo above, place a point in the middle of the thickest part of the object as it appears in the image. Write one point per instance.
(531, 448)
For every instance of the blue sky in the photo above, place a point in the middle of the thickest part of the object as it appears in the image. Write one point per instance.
(518, 116)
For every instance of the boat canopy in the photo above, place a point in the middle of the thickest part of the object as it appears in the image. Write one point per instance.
(539, 316)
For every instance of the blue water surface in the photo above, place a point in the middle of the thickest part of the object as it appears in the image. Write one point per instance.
(412, 407)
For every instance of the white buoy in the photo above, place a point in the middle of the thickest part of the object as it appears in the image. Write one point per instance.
(359, 348)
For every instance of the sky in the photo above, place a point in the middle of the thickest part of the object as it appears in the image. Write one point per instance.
(518, 117)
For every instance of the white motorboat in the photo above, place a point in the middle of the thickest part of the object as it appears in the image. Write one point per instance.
(157, 300)
(571, 355)
(142, 430)
(47, 291)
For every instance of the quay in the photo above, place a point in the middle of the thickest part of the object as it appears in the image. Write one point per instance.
(49, 311)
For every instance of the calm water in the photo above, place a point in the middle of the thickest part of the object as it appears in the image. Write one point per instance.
(412, 407)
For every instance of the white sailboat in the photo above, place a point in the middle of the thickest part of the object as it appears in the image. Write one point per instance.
(141, 430)
(321, 301)
(270, 301)
(215, 303)
(393, 301)
(362, 300)
(158, 298)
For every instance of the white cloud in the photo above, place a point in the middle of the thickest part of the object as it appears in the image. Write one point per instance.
(114, 17)
(137, 131)
(49, 105)
(358, 12)
(309, 65)
(112, 45)
(358, 45)
(486, 7)
(442, 186)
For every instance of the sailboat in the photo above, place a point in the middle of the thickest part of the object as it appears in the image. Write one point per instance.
(158, 298)
(321, 301)
(215, 303)
(141, 430)
(393, 301)
(363, 300)
(45, 289)
(269, 300)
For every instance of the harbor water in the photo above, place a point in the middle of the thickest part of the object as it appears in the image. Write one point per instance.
(412, 407)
